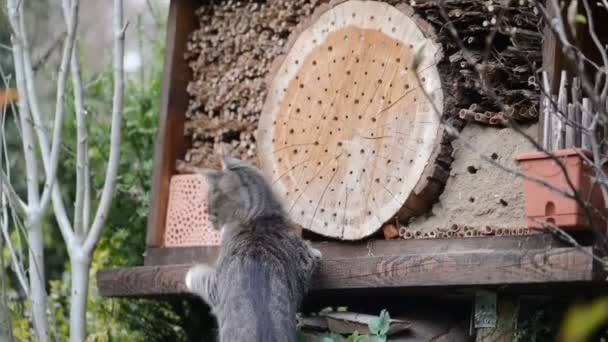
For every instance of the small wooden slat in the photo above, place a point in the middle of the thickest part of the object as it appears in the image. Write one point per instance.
(547, 117)
(586, 118)
(397, 270)
(559, 127)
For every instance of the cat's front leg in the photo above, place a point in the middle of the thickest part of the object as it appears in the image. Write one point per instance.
(315, 253)
(200, 280)
(309, 259)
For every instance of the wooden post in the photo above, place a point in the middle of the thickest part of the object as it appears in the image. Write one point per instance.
(505, 325)
(171, 143)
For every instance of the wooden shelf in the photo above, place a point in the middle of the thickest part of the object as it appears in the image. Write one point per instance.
(486, 261)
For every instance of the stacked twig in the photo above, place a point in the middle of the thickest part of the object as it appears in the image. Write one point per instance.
(230, 56)
(504, 42)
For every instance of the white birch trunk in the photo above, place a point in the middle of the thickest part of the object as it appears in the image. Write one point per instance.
(38, 296)
(78, 298)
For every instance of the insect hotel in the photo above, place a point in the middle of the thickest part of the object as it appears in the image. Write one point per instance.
(372, 125)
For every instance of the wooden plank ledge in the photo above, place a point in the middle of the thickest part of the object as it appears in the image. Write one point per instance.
(508, 265)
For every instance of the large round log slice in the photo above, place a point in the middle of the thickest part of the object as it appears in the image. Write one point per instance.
(347, 134)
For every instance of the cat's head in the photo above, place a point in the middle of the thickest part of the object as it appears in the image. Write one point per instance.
(238, 193)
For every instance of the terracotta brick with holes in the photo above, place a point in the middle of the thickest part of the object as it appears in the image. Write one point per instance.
(187, 220)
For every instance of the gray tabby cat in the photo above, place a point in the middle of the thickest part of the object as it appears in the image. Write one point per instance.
(264, 268)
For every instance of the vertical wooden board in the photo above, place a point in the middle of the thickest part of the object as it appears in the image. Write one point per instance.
(171, 143)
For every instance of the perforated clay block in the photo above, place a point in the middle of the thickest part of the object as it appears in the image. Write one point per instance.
(187, 220)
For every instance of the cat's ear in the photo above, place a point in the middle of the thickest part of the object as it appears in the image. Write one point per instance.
(230, 163)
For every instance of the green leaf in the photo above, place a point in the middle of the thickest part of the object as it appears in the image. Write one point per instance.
(379, 326)
(581, 19)
(376, 338)
(331, 337)
(355, 337)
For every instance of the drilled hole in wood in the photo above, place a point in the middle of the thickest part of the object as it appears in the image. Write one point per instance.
(472, 169)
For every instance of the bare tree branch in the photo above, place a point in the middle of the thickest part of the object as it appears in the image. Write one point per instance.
(28, 93)
(82, 157)
(17, 266)
(115, 135)
(62, 75)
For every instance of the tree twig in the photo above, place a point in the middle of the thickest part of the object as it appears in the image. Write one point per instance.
(82, 160)
(115, 134)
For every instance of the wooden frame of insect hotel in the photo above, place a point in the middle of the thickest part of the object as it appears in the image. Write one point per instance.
(344, 105)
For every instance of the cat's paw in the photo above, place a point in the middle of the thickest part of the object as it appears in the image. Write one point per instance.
(196, 275)
(316, 254)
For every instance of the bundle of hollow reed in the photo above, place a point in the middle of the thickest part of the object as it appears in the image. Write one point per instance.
(462, 231)
(230, 56)
(511, 57)
(233, 50)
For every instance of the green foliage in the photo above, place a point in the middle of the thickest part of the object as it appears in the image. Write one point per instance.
(378, 330)
(123, 239)
(584, 321)
(6, 58)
